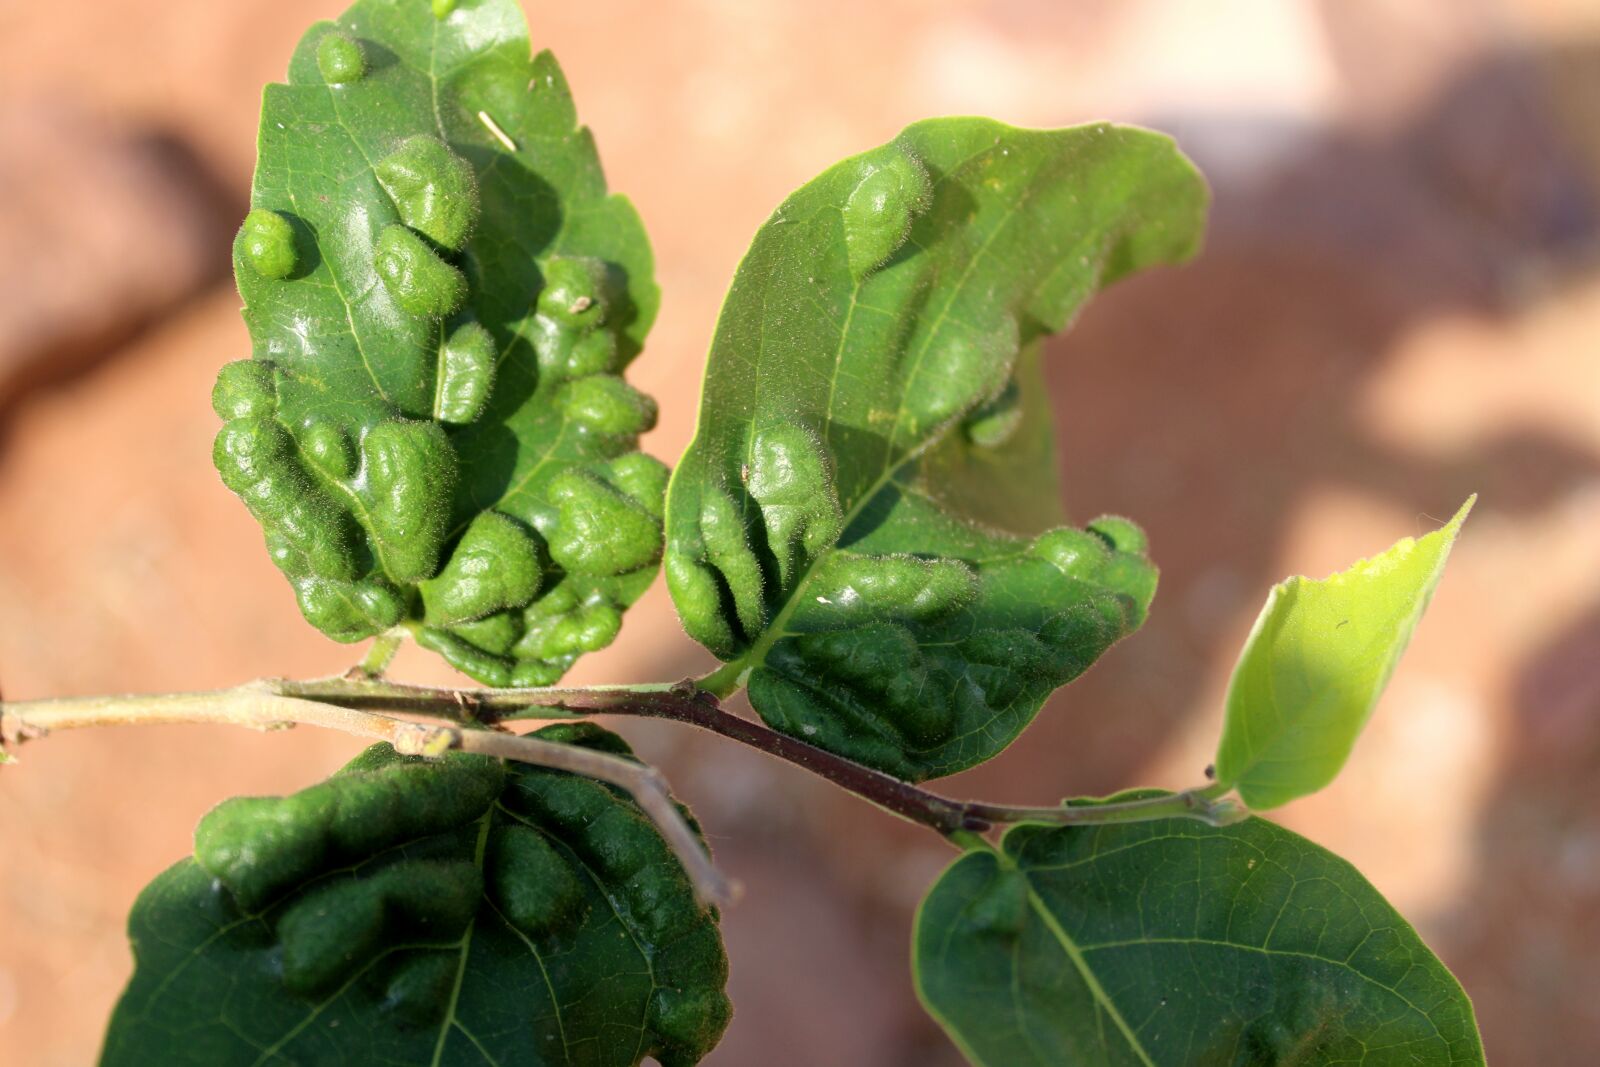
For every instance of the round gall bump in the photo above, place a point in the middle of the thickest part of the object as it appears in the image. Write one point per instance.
(442, 8)
(993, 424)
(1086, 626)
(410, 470)
(419, 987)
(791, 477)
(574, 292)
(727, 548)
(267, 240)
(585, 629)
(1134, 578)
(380, 601)
(467, 657)
(420, 282)
(533, 884)
(561, 600)
(601, 531)
(880, 209)
(971, 362)
(685, 1017)
(642, 477)
(494, 567)
(334, 931)
(1075, 553)
(244, 389)
(593, 353)
(434, 190)
(903, 588)
(605, 404)
(621, 843)
(496, 633)
(466, 375)
(348, 611)
(340, 59)
(788, 466)
(536, 673)
(305, 534)
(698, 595)
(1125, 535)
(329, 448)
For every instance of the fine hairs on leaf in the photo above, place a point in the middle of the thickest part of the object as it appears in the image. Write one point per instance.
(435, 432)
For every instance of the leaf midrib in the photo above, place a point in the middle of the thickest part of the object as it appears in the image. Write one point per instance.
(478, 852)
(565, 849)
(515, 329)
(756, 654)
(338, 287)
(1090, 980)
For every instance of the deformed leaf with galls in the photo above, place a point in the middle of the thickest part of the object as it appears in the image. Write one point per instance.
(409, 911)
(442, 298)
(866, 527)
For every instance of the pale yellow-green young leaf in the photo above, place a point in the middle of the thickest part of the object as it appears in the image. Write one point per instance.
(1315, 664)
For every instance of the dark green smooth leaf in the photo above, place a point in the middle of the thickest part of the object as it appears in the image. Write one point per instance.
(1175, 943)
(442, 297)
(1316, 663)
(860, 526)
(458, 911)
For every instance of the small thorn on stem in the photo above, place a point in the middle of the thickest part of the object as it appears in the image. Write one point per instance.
(471, 706)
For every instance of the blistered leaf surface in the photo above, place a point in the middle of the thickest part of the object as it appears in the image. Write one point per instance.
(1175, 943)
(457, 911)
(442, 298)
(864, 524)
(1315, 664)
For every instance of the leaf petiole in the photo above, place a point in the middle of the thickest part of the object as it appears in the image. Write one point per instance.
(381, 654)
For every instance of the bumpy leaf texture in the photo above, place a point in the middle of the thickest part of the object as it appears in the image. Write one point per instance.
(458, 911)
(442, 298)
(1175, 943)
(866, 526)
(1316, 663)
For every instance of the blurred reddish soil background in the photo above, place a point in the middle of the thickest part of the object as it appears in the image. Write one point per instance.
(1399, 304)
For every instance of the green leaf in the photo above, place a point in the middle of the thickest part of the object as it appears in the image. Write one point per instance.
(457, 911)
(1173, 942)
(442, 298)
(861, 527)
(1315, 664)
(1002, 465)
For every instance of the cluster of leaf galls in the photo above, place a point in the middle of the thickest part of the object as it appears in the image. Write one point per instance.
(365, 528)
(379, 872)
(899, 658)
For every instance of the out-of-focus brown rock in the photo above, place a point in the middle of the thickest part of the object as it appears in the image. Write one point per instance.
(101, 230)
